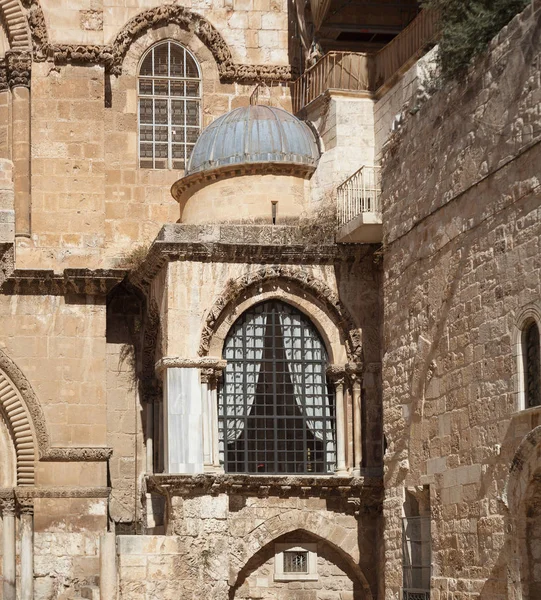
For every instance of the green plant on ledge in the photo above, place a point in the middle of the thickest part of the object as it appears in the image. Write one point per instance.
(467, 26)
(134, 259)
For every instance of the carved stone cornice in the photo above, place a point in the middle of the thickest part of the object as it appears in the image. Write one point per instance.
(62, 492)
(90, 282)
(19, 67)
(204, 362)
(181, 189)
(76, 454)
(112, 56)
(329, 486)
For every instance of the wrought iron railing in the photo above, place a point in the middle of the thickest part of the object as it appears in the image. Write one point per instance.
(334, 71)
(360, 193)
(416, 595)
(359, 71)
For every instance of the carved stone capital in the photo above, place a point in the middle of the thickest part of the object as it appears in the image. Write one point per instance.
(3, 76)
(25, 505)
(19, 66)
(7, 503)
(337, 374)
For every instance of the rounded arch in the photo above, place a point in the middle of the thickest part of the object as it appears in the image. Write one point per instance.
(17, 401)
(529, 314)
(300, 289)
(526, 461)
(342, 541)
(13, 21)
(168, 14)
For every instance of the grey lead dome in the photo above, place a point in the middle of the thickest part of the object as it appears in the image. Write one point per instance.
(254, 134)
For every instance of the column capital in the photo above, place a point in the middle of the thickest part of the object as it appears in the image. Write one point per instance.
(3, 76)
(19, 67)
(336, 373)
(26, 506)
(7, 504)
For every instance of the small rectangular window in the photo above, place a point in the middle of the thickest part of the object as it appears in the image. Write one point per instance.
(295, 562)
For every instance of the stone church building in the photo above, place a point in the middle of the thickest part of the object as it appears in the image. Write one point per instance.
(270, 304)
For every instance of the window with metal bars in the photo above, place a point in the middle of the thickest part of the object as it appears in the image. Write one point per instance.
(531, 353)
(169, 106)
(276, 409)
(416, 548)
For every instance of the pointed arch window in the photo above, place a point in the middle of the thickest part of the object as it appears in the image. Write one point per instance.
(169, 87)
(531, 356)
(276, 410)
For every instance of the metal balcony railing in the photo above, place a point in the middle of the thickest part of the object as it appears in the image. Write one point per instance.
(359, 71)
(360, 193)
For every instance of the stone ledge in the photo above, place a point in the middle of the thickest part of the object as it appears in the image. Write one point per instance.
(326, 486)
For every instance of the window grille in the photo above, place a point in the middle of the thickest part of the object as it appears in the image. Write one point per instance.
(276, 410)
(296, 561)
(416, 553)
(532, 360)
(169, 106)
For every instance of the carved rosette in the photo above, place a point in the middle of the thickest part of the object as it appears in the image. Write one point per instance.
(19, 66)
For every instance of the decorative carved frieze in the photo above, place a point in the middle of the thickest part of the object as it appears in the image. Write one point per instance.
(369, 488)
(205, 362)
(62, 492)
(112, 56)
(90, 282)
(306, 281)
(80, 454)
(19, 66)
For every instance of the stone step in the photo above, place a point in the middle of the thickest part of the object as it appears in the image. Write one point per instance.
(91, 592)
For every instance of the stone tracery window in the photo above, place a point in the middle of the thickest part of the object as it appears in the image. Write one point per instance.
(531, 364)
(169, 88)
(276, 409)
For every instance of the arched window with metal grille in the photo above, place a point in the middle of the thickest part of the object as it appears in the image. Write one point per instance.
(169, 89)
(531, 356)
(276, 409)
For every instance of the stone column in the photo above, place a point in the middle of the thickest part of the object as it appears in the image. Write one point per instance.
(357, 424)
(206, 376)
(19, 65)
(214, 408)
(8, 548)
(150, 437)
(108, 570)
(337, 374)
(26, 511)
(5, 121)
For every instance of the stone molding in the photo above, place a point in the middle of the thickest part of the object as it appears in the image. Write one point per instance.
(111, 56)
(15, 22)
(19, 67)
(323, 486)
(234, 288)
(26, 423)
(62, 492)
(206, 362)
(180, 190)
(97, 282)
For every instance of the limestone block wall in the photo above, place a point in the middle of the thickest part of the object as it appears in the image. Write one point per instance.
(461, 244)
(256, 30)
(7, 212)
(220, 547)
(345, 124)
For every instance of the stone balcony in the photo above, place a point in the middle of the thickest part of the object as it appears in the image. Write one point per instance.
(359, 208)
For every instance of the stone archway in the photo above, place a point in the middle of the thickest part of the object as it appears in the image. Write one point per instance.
(341, 542)
(303, 285)
(523, 498)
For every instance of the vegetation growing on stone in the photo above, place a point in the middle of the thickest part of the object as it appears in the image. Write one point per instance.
(467, 27)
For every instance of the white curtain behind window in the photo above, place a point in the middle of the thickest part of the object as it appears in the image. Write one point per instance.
(246, 344)
(300, 347)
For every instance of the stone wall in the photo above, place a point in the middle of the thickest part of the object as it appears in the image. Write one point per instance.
(461, 245)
